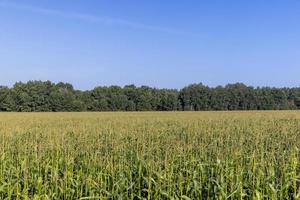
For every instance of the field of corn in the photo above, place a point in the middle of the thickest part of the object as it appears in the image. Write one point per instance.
(150, 155)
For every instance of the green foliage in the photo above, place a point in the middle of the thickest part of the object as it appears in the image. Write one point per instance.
(6, 102)
(38, 96)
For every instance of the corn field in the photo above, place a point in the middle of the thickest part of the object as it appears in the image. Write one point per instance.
(150, 155)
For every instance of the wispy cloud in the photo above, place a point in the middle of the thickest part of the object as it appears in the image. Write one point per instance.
(90, 18)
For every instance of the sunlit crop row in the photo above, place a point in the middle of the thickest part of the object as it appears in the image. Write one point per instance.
(150, 155)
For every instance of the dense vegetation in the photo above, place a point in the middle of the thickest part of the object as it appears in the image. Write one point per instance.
(47, 96)
(171, 155)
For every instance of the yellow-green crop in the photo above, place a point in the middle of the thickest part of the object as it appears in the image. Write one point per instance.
(150, 155)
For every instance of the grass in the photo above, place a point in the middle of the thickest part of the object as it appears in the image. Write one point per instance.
(151, 155)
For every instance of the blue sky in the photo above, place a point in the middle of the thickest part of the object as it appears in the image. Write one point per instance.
(168, 43)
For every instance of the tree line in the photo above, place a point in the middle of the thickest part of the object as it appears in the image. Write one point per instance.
(45, 96)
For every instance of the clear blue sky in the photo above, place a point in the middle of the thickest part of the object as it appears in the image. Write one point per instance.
(161, 43)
